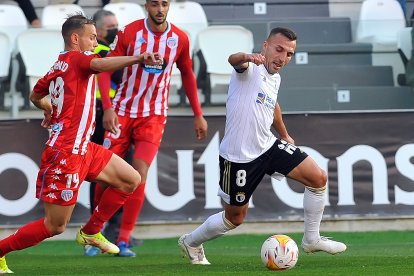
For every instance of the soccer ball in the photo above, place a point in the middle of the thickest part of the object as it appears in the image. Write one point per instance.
(279, 252)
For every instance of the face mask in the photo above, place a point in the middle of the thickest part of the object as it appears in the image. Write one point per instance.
(111, 34)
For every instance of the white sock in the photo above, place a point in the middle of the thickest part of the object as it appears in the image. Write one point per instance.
(215, 226)
(313, 206)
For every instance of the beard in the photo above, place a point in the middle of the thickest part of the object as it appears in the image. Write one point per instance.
(156, 20)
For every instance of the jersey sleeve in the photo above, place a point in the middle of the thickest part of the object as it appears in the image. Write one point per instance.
(185, 65)
(42, 85)
(104, 84)
(184, 59)
(83, 61)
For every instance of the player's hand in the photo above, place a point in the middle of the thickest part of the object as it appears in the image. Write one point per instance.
(288, 139)
(200, 126)
(256, 58)
(110, 120)
(47, 118)
(152, 58)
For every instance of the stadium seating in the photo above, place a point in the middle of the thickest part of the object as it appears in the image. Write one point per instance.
(333, 50)
(212, 48)
(323, 40)
(234, 10)
(259, 29)
(54, 16)
(39, 49)
(405, 48)
(191, 18)
(359, 98)
(5, 57)
(404, 43)
(12, 22)
(336, 75)
(126, 12)
(379, 22)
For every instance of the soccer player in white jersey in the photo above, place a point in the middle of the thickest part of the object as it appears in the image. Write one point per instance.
(139, 110)
(249, 150)
(69, 157)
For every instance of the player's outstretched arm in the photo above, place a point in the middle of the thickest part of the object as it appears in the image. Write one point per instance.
(109, 64)
(240, 61)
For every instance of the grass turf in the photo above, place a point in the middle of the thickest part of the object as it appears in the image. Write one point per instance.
(368, 253)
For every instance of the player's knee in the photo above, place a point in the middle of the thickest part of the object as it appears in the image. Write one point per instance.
(56, 229)
(236, 220)
(319, 180)
(322, 179)
(133, 182)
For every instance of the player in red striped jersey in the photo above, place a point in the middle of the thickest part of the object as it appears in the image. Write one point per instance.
(139, 110)
(69, 157)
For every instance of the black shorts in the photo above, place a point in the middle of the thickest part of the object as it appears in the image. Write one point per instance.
(239, 180)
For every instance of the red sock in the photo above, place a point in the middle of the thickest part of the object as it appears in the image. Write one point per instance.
(98, 194)
(27, 236)
(112, 199)
(131, 211)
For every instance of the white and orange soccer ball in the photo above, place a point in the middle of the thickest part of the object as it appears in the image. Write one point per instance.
(279, 252)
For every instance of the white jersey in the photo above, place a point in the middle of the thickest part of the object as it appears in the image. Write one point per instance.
(250, 106)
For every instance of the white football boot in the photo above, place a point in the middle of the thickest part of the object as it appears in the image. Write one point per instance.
(324, 244)
(194, 254)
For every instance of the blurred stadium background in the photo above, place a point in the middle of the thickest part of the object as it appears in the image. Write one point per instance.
(345, 99)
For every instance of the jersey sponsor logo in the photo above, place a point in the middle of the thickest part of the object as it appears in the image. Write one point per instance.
(155, 69)
(264, 99)
(172, 42)
(240, 197)
(66, 195)
(106, 143)
(260, 98)
(63, 162)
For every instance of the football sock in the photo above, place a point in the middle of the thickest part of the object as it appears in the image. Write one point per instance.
(98, 194)
(27, 236)
(214, 226)
(313, 206)
(112, 199)
(131, 211)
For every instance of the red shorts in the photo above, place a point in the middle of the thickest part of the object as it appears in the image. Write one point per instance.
(144, 132)
(61, 173)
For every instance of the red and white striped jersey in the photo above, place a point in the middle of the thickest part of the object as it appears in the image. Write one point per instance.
(71, 85)
(144, 90)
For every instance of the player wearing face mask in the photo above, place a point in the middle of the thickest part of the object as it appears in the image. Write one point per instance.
(106, 30)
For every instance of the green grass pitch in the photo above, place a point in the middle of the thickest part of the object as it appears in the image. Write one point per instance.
(368, 253)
